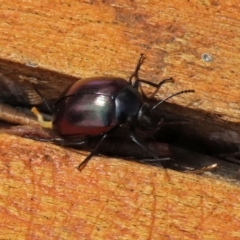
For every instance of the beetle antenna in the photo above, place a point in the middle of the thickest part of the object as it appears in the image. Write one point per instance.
(43, 98)
(173, 95)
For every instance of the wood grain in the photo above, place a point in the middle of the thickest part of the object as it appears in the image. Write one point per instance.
(43, 196)
(97, 38)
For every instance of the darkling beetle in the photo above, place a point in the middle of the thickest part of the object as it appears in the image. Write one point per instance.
(97, 106)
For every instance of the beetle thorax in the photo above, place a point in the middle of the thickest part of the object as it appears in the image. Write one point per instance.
(128, 103)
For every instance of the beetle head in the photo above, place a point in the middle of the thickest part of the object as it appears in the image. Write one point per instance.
(146, 119)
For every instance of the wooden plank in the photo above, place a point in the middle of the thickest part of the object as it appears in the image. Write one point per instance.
(95, 38)
(42, 194)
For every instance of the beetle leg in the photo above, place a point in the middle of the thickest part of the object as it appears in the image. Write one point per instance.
(156, 85)
(137, 81)
(43, 98)
(134, 139)
(135, 73)
(68, 142)
(63, 142)
(94, 151)
(85, 161)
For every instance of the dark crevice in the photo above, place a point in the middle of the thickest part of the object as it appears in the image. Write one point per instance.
(192, 138)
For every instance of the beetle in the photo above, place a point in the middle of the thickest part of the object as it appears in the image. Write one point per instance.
(98, 106)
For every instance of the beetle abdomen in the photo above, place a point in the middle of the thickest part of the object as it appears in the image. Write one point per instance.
(88, 107)
(84, 115)
(97, 85)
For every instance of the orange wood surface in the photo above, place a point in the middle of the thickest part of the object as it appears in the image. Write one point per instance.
(43, 196)
(87, 38)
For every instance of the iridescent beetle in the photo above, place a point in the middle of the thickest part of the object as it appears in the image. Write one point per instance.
(97, 106)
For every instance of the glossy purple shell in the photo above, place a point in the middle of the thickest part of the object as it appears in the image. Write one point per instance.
(87, 108)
